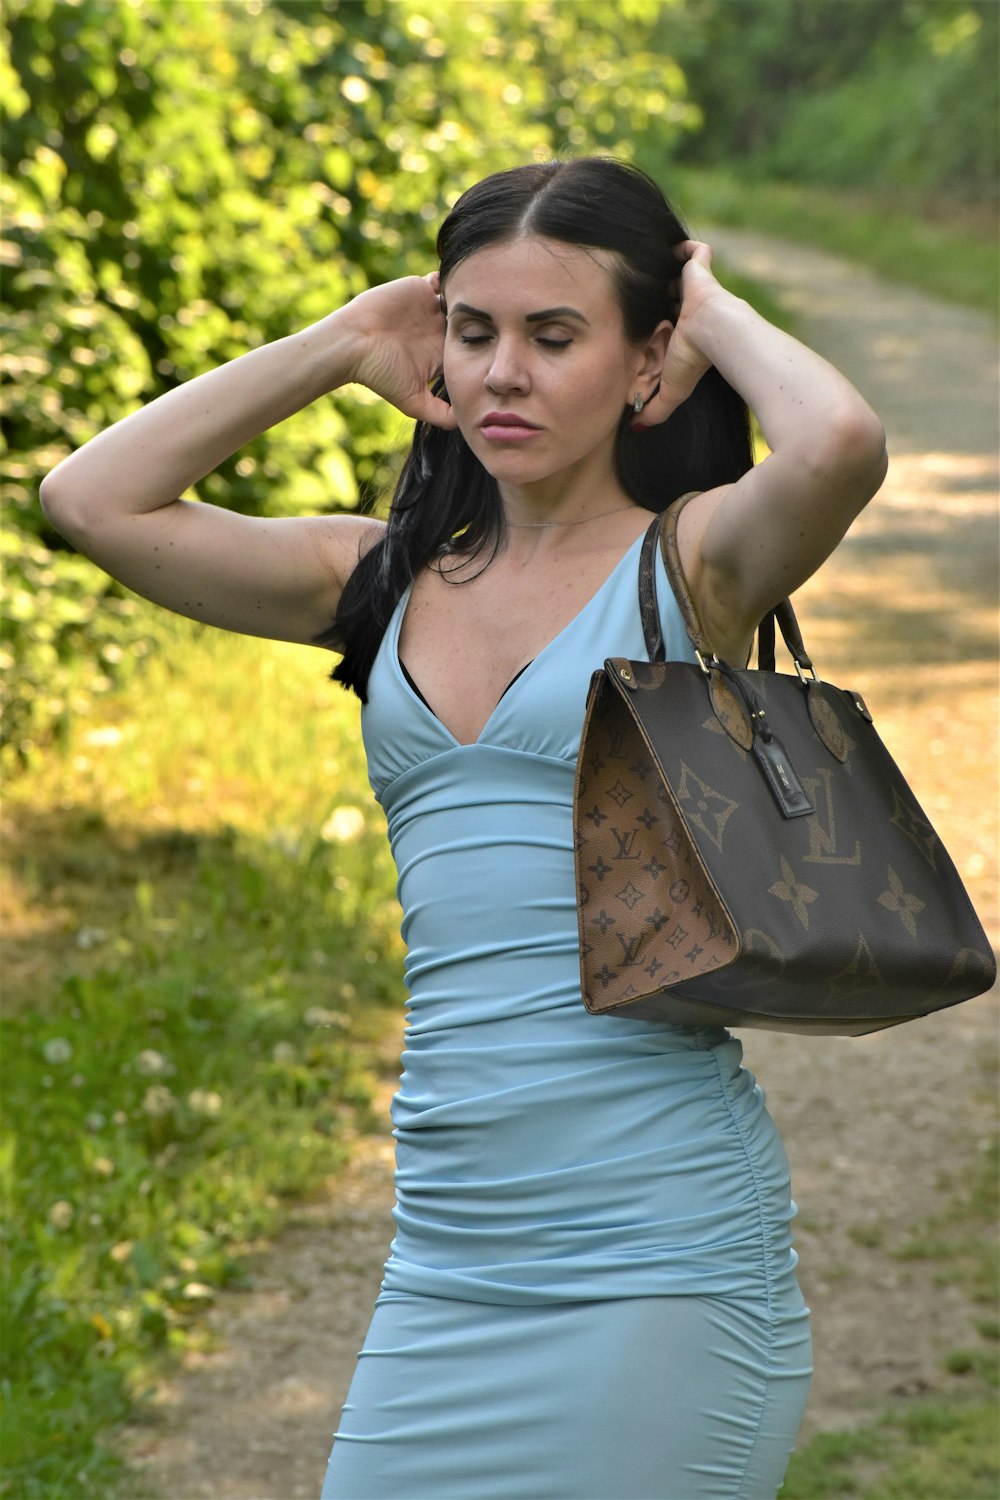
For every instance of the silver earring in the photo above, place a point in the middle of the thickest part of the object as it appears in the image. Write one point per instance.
(638, 403)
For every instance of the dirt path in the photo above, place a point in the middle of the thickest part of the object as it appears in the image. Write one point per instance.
(875, 1127)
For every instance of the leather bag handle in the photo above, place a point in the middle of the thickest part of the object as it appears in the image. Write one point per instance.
(790, 634)
(664, 528)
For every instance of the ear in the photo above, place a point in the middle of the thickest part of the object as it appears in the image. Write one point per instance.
(651, 356)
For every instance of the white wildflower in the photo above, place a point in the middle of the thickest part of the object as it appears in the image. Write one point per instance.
(89, 937)
(158, 1101)
(153, 1064)
(343, 825)
(103, 1166)
(196, 1291)
(61, 1214)
(317, 1016)
(58, 1050)
(205, 1101)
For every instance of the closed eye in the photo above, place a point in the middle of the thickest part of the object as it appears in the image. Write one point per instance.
(472, 339)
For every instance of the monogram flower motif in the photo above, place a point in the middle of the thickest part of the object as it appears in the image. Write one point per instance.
(903, 902)
(794, 891)
(706, 808)
(911, 821)
(630, 894)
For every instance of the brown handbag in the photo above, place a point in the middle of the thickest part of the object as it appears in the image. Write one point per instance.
(747, 851)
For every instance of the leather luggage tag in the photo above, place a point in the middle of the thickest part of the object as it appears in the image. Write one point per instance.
(786, 788)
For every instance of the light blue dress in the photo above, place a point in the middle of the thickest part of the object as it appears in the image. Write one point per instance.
(591, 1291)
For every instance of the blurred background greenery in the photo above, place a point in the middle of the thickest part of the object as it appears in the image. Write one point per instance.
(187, 179)
(202, 954)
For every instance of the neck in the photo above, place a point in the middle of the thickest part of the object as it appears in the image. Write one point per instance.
(563, 501)
(576, 521)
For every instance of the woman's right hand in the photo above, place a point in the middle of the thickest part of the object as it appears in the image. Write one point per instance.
(116, 499)
(395, 345)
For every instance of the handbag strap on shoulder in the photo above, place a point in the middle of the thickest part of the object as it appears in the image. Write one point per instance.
(675, 573)
(664, 530)
(648, 610)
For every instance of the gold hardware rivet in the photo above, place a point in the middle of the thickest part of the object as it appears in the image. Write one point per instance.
(625, 673)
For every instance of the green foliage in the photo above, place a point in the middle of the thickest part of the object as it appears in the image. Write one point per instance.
(902, 94)
(65, 638)
(191, 1042)
(953, 257)
(187, 181)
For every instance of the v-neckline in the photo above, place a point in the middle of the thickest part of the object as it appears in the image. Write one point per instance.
(525, 671)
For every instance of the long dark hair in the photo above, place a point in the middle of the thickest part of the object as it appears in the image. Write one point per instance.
(443, 489)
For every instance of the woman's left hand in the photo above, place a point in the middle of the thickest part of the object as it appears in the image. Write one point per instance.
(684, 364)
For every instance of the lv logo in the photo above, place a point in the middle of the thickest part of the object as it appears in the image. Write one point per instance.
(617, 749)
(626, 843)
(823, 841)
(630, 949)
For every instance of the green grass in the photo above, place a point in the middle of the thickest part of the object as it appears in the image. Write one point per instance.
(947, 1448)
(932, 1451)
(951, 253)
(962, 1241)
(202, 963)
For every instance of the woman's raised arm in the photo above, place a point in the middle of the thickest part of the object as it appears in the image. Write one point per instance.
(747, 545)
(116, 499)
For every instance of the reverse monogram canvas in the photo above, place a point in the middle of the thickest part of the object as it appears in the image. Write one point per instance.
(806, 893)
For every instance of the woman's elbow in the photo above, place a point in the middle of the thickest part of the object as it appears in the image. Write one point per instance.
(60, 509)
(855, 452)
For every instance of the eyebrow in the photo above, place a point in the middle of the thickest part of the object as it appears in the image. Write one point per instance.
(545, 316)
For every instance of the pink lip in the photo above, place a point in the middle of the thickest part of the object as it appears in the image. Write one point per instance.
(506, 426)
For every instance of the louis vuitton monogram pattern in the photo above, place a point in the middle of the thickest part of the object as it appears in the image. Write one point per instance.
(649, 915)
(670, 810)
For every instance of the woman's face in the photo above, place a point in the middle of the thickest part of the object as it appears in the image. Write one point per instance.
(536, 362)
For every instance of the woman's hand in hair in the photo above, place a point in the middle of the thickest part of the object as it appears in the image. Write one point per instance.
(685, 363)
(395, 345)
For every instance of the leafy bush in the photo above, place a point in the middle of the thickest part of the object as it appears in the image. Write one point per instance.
(66, 637)
(865, 132)
(902, 94)
(185, 182)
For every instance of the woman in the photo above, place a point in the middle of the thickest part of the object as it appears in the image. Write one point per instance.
(591, 1292)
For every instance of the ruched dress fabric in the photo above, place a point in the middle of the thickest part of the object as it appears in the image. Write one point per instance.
(591, 1291)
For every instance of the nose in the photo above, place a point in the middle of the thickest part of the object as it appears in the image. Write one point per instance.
(507, 371)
